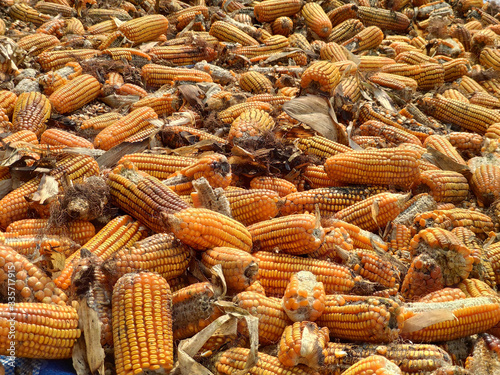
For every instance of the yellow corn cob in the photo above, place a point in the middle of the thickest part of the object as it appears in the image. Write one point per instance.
(144, 29)
(273, 44)
(490, 58)
(183, 17)
(269, 11)
(316, 177)
(279, 185)
(441, 144)
(255, 82)
(485, 184)
(373, 364)
(50, 60)
(427, 75)
(158, 75)
(104, 27)
(160, 166)
(275, 100)
(392, 135)
(252, 206)
(299, 41)
(74, 26)
(99, 14)
(54, 9)
(56, 330)
(251, 123)
(321, 75)
(414, 58)
(31, 111)
(328, 200)
(455, 69)
(392, 166)
(333, 52)
(316, 19)
(321, 146)
(183, 55)
(170, 135)
(119, 53)
(37, 43)
(445, 186)
(101, 122)
(202, 229)
(131, 89)
(30, 246)
(21, 136)
(304, 298)
(56, 137)
(75, 94)
(25, 13)
(345, 30)
(142, 324)
(470, 86)
(470, 316)
(469, 116)
(282, 26)
(366, 39)
(230, 114)
(162, 103)
(342, 13)
(493, 131)
(455, 95)
(275, 271)
(7, 101)
(394, 81)
(229, 33)
(383, 18)
(443, 295)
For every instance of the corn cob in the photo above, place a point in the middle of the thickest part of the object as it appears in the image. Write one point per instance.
(37, 43)
(272, 317)
(268, 12)
(21, 136)
(158, 75)
(31, 111)
(26, 280)
(394, 81)
(275, 271)
(411, 358)
(345, 30)
(493, 131)
(144, 29)
(163, 103)
(304, 298)
(14, 206)
(484, 99)
(366, 39)
(369, 142)
(56, 137)
(445, 186)
(490, 58)
(375, 364)
(273, 44)
(239, 267)
(252, 206)
(336, 240)
(160, 253)
(321, 146)
(316, 177)
(295, 347)
(279, 185)
(160, 166)
(251, 123)
(31, 246)
(383, 18)
(329, 200)
(142, 324)
(230, 114)
(51, 60)
(299, 41)
(7, 101)
(233, 360)
(74, 26)
(104, 27)
(455, 95)
(119, 232)
(170, 135)
(39, 330)
(477, 222)
(294, 234)
(54, 9)
(183, 17)
(443, 295)
(321, 75)
(143, 196)
(357, 167)
(282, 26)
(194, 308)
(100, 122)
(2, 27)
(366, 319)
(183, 55)
(275, 100)
(75, 94)
(226, 32)
(470, 316)
(333, 52)
(52, 80)
(25, 13)
(136, 57)
(342, 13)
(492, 252)
(202, 229)
(485, 184)
(392, 135)
(255, 82)
(131, 89)
(442, 145)
(316, 19)
(476, 288)
(99, 14)
(427, 75)
(469, 116)
(414, 58)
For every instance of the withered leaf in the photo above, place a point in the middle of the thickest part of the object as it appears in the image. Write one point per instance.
(91, 327)
(446, 163)
(47, 189)
(426, 319)
(111, 157)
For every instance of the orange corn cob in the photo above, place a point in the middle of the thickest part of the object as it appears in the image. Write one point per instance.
(183, 17)
(392, 135)
(25, 282)
(144, 29)
(493, 131)
(443, 295)
(445, 186)
(21, 136)
(160, 166)
(50, 60)
(316, 19)
(251, 123)
(393, 166)
(321, 75)
(253, 205)
(30, 246)
(279, 185)
(125, 127)
(273, 44)
(282, 26)
(268, 12)
(56, 137)
(492, 252)
(75, 94)
(142, 324)
(37, 43)
(131, 89)
(74, 26)
(31, 111)
(345, 30)
(255, 82)
(329, 200)
(229, 33)
(162, 103)
(365, 319)
(275, 100)
(441, 144)
(158, 75)
(476, 288)
(194, 308)
(25, 13)
(160, 253)
(7, 101)
(275, 271)
(304, 298)
(239, 267)
(469, 144)
(202, 229)
(394, 81)
(293, 234)
(375, 364)
(366, 39)
(52, 80)
(333, 52)
(183, 55)
(321, 146)
(485, 184)
(470, 316)
(230, 114)
(316, 177)
(104, 27)
(101, 122)
(38, 330)
(295, 347)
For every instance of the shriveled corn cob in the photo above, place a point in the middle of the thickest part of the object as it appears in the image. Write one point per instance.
(57, 137)
(234, 359)
(144, 29)
(427, 75)
(183, 55)
(268, 12)
(275, 100)
(391, 166)
(445, 186)
(157, 75)
(365, 319)
(229, 33)
(99, 14)
(279, 185)
(392, 135)
(194, 308)
(239, 267)
(202, 229)
(74, 26)
(470, 316)
(38, 330)
(75, 94)
(230, 114)
(54, 9)
(273, 44)
(142, 324)
(183, 17)
(101, 122)
(160, 253)
(25, 13)
(414, 58)
(275, 271)
(25, 282)
(252, 206)
(163, 103)
(304, 298)
(50, 60)
(282, 26)
(30, 246)
(303, 342)
(316, 19)
(485, 184)
(293, 234)
(321, 75)
(119, 232)
(251, 123)
(321, 146)
(31, 111)
(329, 200)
